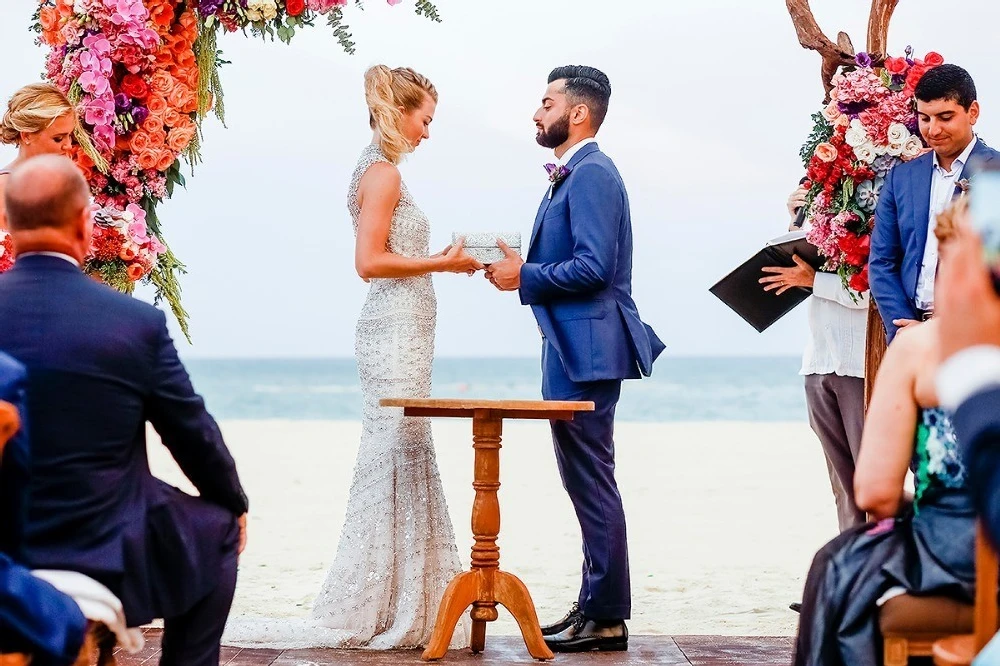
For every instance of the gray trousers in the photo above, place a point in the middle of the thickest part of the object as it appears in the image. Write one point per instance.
(837, 413)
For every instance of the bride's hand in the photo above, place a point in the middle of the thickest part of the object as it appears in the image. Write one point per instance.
(456, 260)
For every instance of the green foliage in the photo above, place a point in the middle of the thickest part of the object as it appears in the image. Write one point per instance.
(335, 19)
(822, 131)
(427, 9)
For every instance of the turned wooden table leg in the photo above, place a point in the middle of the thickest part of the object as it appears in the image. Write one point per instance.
(486, 586)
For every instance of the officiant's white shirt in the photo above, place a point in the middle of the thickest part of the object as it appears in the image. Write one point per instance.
(837, 323)
(574, 149)
(57, 255)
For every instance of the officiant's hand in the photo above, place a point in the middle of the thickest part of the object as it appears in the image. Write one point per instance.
(783, 279)
(242, 522)
(506, 273)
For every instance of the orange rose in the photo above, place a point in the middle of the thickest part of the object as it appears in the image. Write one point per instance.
(127, 252)
(122, 143)
(147, 160)
(180, 138)
(50, 19)
(139, 142)
(177, 97)
(157, 106)
(135, 271)
(172, 118)
(161, 82)
(166, 160)
(157, 139)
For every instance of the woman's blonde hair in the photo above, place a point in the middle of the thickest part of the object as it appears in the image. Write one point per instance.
(948, 219)
(385, 91)
(33, 109)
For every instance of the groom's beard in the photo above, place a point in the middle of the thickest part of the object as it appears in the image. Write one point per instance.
(556, 135)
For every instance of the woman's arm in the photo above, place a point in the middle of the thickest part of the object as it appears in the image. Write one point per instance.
(890, 429)
(378, 195)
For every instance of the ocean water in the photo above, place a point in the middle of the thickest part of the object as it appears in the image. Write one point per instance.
(681, 389)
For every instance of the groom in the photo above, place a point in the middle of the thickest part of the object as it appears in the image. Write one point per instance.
(578, 282)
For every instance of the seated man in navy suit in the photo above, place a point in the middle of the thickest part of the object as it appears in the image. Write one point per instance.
(904, 252)
(35, 618)
(100, 366)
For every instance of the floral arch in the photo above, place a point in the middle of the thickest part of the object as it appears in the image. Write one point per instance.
(144, 74)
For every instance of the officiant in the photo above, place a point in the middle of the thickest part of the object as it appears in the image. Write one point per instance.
(833, 365)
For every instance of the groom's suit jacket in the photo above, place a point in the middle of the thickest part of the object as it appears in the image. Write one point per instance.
(902, 222)
(578, 275)
(100, 366)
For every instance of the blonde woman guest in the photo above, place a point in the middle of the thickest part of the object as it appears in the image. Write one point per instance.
(922, 549)
(397, 549)
(39, 120)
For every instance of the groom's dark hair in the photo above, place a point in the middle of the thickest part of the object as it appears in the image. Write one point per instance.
(586, 85)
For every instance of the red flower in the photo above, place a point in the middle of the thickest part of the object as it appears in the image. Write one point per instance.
(933, 59)
(897, 66)
(7, 258)
(295, 7)
(135, 87)
(105, 244)
(859, 281)
(916, 73)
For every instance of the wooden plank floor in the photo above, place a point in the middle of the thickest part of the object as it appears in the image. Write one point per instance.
(504, 650)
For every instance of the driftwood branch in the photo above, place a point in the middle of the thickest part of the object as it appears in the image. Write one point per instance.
(878, 26)
(841, 52)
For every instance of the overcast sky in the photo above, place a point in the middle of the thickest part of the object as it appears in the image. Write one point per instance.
(711, 101)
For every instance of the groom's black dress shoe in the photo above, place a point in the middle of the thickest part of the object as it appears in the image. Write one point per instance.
(585, 635)
(565, 623)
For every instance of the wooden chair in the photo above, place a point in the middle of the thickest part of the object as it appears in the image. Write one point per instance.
(960, 650)
(99, 643)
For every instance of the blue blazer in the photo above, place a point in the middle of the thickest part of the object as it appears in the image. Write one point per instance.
(900, 235)
(578, 275)
(100, 366)
(14, 468)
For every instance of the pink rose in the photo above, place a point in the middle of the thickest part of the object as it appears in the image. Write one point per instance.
(827, 152)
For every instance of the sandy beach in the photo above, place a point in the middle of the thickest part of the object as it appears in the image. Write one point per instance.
(723, 518)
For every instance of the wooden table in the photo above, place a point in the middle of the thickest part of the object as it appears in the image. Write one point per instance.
(486, 585)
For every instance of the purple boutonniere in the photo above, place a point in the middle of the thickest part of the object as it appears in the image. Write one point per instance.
(557, 174)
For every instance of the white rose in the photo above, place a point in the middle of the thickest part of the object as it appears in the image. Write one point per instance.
(270, 10)
(895, 149)
(898, 134)
(254, 10)
(866, 152)
(912, 148)
(856, 134)
(80, 7)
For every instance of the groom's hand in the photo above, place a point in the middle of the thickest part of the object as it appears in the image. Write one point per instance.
(506, 273)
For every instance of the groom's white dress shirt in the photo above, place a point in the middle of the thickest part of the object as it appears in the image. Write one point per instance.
(573, 150)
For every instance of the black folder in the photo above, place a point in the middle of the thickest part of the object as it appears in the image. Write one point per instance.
(743, 293)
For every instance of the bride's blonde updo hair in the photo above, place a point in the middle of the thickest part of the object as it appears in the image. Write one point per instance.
(948, 220)
(385, 91)
(32, 109)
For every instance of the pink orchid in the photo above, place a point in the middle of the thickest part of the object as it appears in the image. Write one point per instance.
(96, 84)
(99, 111)
(137, 230)
(99, 44)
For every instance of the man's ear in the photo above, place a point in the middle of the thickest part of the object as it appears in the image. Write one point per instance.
(580, 115)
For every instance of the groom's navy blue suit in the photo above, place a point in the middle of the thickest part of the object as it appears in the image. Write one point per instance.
(100, 366)
(578, 281)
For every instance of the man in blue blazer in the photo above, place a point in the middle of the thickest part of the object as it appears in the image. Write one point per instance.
(903, 261)
(35, 618)
(100, 366)
(578, 281)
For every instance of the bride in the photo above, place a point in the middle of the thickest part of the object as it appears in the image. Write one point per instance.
(397, 548)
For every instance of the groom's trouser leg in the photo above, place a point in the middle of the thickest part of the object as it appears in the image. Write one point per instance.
(585, 454)
(193, 639)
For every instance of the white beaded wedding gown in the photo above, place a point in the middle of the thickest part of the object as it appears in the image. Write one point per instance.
(397, 549)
